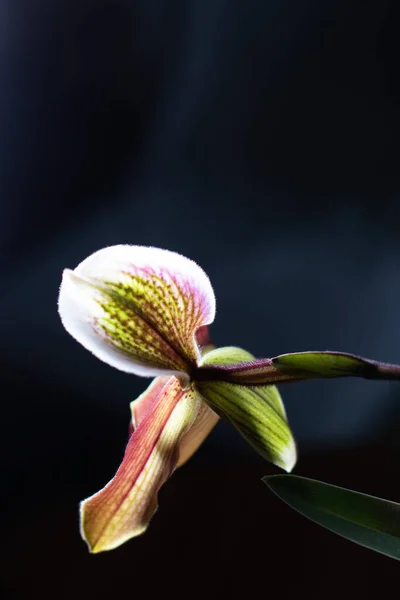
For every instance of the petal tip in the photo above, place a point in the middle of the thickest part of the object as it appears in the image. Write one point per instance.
(66, 272)
(288, 457)
(82, 528)
(69, 276)
(102, 543)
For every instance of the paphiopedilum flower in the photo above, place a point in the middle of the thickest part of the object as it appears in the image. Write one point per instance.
(146, 311)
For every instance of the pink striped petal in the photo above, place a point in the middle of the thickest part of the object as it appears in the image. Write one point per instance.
(192, 440)
(138, 308)
(144, 403)
(205, 421)
(124, 507)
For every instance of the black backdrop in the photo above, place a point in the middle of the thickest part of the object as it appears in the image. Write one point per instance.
(262, 140)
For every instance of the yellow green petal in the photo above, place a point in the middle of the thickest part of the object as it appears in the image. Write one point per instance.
(257, 413)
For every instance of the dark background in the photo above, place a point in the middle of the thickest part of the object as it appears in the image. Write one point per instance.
(262, 140)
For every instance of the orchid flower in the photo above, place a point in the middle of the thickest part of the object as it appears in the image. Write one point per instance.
(146, 311)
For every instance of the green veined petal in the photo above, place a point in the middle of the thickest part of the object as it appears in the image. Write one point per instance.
(230, 355)
(257, 413)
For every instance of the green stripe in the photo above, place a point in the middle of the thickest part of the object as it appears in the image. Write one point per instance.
(252, 415)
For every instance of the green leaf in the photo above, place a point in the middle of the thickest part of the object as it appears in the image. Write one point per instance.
(257, 413)
(366, 520)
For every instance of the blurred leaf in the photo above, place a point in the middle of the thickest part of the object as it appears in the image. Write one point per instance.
(366, 520)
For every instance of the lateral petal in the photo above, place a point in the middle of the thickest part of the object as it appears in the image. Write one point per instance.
(124, 507)
(257, 413)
